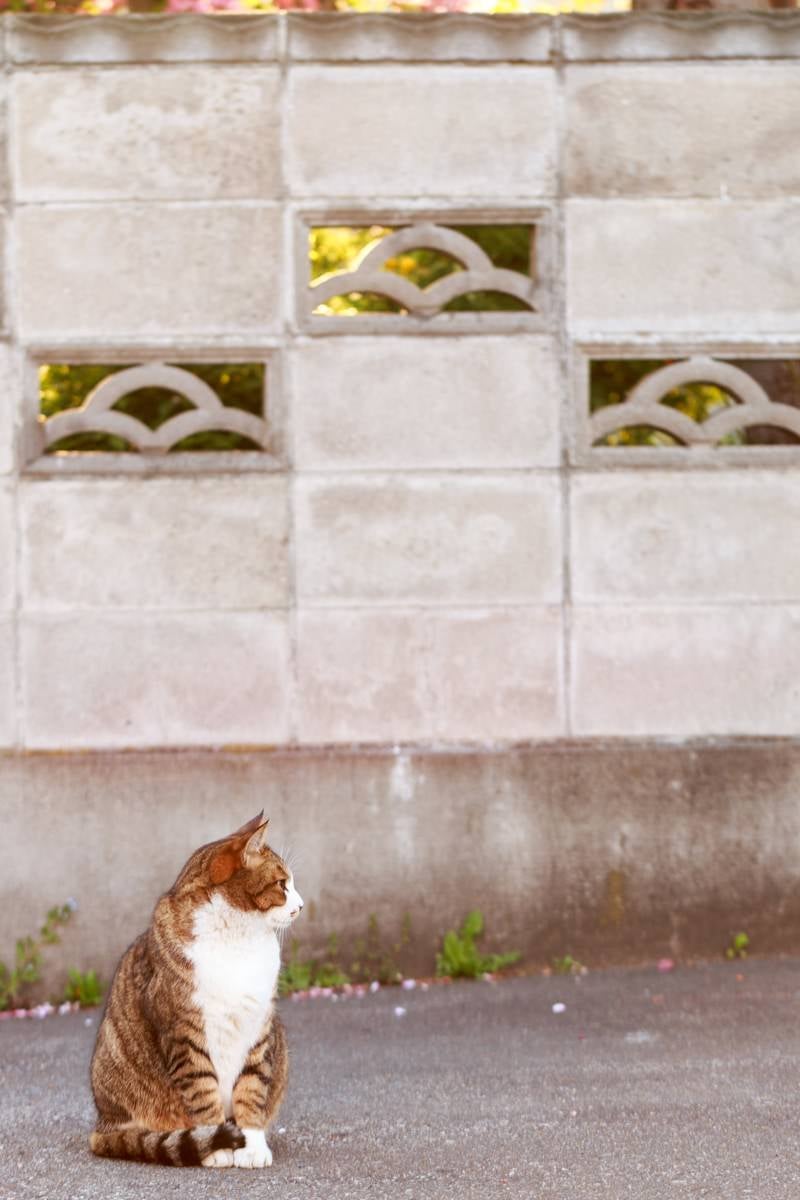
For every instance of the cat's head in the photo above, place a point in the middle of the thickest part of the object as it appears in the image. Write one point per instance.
(247, 872)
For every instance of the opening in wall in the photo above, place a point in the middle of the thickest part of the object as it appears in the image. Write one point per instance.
(397, 273)
(697, 401)
(151, 411)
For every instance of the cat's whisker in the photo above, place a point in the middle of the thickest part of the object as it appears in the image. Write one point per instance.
(291, 857)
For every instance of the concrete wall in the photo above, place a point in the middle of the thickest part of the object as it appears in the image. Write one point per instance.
(432, 554)
(610, 852)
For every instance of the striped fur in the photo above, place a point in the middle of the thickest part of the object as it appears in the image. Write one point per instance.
(181, 1148)
(155, 1082)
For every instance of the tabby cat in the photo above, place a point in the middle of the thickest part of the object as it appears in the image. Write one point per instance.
(190, 1064)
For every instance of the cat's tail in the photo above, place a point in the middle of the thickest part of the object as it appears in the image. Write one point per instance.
(176, 1148)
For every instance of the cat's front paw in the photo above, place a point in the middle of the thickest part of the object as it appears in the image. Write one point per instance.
(255, 1153)
(219, 1158)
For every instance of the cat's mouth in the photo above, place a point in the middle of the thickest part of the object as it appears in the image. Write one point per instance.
(283, 922)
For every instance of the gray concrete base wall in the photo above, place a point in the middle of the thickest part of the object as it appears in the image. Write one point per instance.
(611, 851)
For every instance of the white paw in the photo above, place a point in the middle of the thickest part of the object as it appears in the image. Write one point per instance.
(219, 1158)
(255, 1152)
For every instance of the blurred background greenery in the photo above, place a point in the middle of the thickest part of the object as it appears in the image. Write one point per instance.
(65, 385)
(611, 380)
(335, 248)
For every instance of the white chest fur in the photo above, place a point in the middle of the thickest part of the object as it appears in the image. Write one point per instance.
(236, 960)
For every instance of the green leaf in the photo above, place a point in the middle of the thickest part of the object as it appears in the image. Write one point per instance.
(473, 924)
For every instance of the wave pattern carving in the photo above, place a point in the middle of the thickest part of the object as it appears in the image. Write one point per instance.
(208, 415)
(643, 405)
(479, 273)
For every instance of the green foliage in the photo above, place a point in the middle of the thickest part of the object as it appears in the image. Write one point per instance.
(337, 248)
(28, 957)
(567, 965)
(297, 975)
(460, 957)
(738, 947)
(329, 972)
(65, 385)
(85, 988)
(611, 380)
(374, 959)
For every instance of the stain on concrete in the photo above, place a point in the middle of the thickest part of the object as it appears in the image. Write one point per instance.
(615, 900)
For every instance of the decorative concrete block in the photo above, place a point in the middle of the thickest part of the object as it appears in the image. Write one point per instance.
(361, 677)
(131, 680)
(606, 37)
(148, 269)
(145, 132)
(434, 539)
(143, 38)
(496, 676)
(426, 402)
(689, 266)
(633, 130)
(401, 676)
(419, 37)
(443, 131)
(8, 544)
(213, 543)
(8, 706)
(688, 537)
(690, 672)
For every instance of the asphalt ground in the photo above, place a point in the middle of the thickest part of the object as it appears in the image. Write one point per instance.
(646, 1085)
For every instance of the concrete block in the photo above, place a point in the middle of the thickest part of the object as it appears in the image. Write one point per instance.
(477, 131)
(197, 543)
(689, 672)
(400, 676)
(8, 546)
(426, 402)
(435, 539)
(690, 537)
(4, 180)
(147, 132)
(606, 37)
(6, 434)
(496, 676)
(133, 680)
(144, 38)
(10, 398)
(632, 130)
(4, 273)
(148, 269)
(419, 37)
(689, 266)
(8, 675)
(361, 677)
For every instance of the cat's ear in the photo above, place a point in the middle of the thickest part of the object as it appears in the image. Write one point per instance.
(251, 826)
(231, 854)
(255, 846)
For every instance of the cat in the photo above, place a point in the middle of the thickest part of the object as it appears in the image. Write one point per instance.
(190, 1063)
